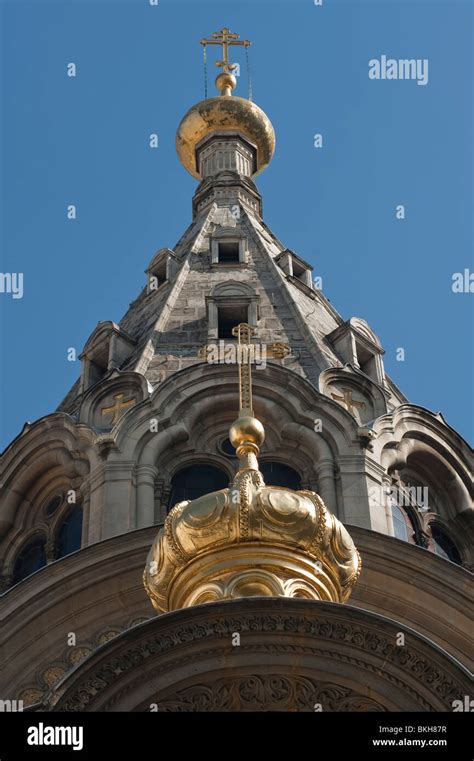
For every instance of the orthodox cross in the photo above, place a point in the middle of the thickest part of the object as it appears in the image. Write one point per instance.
(244, 333)
(225, 38)
(117, 408)
(346, 399)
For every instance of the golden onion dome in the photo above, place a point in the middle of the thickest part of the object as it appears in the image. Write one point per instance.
(250, 540)
(225, 113)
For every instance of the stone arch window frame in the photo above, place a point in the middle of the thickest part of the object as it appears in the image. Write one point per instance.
(417, 432)
(425, 519)
(228, 235)
(437, 488)
(41, 524)
(231, 294)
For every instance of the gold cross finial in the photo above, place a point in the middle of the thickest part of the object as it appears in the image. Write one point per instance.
(244, 333)
(246, 434)
(225, 38)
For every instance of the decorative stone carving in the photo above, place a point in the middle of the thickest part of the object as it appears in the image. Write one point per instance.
(176, 651)
(277, 692)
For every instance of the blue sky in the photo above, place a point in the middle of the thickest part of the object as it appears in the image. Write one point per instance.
(84, 141)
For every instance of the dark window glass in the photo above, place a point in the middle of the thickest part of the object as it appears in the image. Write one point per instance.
(70, 533)
(230, 317)
(277, 474)
(194, 481)
(228, 251)
(444, 545)
(31, 559)
(227, 448)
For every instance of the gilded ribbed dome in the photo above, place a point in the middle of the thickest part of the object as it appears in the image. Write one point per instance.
(250, 540)
(225, 113)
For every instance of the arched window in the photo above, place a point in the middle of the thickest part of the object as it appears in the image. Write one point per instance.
(277, 474)
(196, 480)
(400, 526)
(31, 558)
(444, 545)
(70, 533)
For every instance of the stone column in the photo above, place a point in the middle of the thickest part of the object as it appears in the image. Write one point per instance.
(385, 489)
(112, 502)
(327, 486)
(355, 490)
(145, 480)
(86, 504)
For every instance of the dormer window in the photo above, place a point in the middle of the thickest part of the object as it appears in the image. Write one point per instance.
(228, 305)
(107, 348)
(230, 251)
(161, 269)
(358, 346)
(366, 360)
(295, 268)
(158, 277)
(302, 273)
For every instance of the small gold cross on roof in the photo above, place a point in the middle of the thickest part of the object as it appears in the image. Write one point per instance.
(347, 400)
(116, 409)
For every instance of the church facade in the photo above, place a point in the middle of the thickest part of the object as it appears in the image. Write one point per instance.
(146, 427)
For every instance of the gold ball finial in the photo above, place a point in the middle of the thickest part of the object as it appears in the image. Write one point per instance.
(225, 83)
(247, 431)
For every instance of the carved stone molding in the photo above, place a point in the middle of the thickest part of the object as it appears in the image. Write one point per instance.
(276, 692)
(320, 643)
(71, 656)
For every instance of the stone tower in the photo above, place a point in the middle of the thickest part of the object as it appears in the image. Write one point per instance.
(146, 426)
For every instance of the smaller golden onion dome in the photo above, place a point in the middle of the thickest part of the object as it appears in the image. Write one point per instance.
(225, 113)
